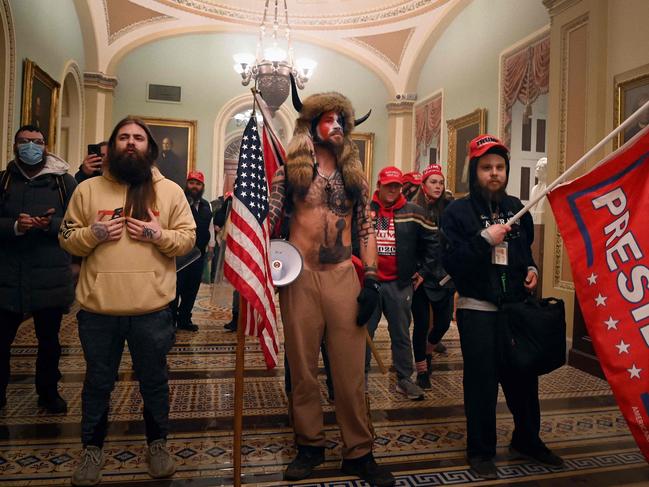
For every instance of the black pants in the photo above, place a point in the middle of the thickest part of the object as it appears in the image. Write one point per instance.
(421, 315)
(188, 281)
(47, 323)
(149, 337)
(481, 377)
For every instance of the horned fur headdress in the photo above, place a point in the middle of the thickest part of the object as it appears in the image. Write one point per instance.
(300, 158)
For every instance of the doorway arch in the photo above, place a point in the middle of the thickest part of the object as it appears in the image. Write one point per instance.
(8, 80)
(283, 120)
(70, 135)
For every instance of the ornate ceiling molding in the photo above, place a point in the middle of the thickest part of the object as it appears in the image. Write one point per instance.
(390, 13)
(138, 16)
(390, 46)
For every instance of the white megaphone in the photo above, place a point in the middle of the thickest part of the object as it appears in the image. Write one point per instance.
(285, 262)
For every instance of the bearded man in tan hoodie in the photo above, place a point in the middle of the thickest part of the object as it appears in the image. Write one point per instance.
(128, 225)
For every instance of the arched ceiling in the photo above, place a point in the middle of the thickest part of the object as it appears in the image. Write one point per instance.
(387, 36)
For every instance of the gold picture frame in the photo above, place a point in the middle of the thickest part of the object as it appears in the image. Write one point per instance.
(365, 143)
(176, 161)
(460, 132)
(40, 101)
(631, 91)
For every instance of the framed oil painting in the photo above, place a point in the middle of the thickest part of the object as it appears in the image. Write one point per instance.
(177, 144)
(460, 132)
(631, 92)
(365, 144)
(40, 101)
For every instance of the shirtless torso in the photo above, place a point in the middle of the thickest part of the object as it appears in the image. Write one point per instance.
(321, 222)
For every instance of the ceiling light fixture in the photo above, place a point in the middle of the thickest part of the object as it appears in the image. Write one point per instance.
(272, 65)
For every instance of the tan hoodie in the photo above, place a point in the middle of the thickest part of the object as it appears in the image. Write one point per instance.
(126, 277)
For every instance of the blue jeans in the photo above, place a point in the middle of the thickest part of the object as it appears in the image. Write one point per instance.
(149, 337)
(395, 304)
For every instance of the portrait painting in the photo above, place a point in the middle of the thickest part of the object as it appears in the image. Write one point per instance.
(631, 92)
(460, 133)
(365, 144)
(39, 101)
(176, 141)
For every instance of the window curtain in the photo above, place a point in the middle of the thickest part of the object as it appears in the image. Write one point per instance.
(526, 75)
(428, 121)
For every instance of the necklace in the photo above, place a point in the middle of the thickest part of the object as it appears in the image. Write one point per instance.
(327, 178)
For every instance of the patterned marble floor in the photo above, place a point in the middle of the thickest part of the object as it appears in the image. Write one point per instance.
(423, 442)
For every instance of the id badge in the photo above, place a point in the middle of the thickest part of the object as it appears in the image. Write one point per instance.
(499, 254)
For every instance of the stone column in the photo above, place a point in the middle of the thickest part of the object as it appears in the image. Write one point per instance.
(99, 89)
(401, 117)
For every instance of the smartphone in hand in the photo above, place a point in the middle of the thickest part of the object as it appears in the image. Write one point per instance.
(94, 149)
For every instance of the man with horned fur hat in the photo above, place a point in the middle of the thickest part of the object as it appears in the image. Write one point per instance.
(323, 188)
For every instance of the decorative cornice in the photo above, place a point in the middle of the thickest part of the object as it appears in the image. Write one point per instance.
(555, 7)
(99, 81)
(400, 107)
(390, 13)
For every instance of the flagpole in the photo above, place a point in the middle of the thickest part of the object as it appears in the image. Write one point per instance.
(623, 126)
(238, 397)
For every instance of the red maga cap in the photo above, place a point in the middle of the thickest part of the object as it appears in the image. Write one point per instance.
(390, 174)
(482, 143)
(411, 177)
(197, 175)
(435, 169)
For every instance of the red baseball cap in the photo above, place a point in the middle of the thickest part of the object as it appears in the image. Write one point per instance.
(197, 175)
(411, 177)
(430, 170)
(390, 174)
(482, 143)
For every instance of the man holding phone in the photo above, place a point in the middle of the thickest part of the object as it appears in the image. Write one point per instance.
(94, 162)
(35, 275)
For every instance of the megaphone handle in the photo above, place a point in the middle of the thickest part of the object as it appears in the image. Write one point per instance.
(375, 353)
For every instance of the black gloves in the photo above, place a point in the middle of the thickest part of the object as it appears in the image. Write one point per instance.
(368, 300)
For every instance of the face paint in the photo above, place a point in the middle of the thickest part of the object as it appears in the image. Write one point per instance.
(329, 127)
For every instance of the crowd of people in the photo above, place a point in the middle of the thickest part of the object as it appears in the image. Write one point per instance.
(115, 229)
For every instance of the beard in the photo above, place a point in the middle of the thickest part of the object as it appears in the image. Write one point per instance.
(491, 196)
(194, 195)
(132, 169)
(335, 147)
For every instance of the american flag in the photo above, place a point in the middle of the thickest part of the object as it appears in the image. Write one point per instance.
(246, 263)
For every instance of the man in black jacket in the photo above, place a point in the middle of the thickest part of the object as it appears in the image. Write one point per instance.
(189, 279)
(491, 263)
(93, 164)
(404, 238)
(35, 275)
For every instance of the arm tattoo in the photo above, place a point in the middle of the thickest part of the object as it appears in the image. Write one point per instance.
(148, 233)
(277, 195)
(365, 228)
(99, 231)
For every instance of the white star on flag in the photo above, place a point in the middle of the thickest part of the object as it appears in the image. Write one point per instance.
(592, 279)
(634, 371)
(622, 347)
(600, 300)
(611, 323)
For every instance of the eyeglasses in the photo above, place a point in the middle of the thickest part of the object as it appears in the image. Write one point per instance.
(22, 140)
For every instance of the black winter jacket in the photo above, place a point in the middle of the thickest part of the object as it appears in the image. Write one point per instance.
(467, 255)
(34, 271)
(417, 242)
(203, 218)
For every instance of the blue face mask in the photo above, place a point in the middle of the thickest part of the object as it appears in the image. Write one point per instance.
(30, 153)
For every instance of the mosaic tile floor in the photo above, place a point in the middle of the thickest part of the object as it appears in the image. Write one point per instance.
(423, 442)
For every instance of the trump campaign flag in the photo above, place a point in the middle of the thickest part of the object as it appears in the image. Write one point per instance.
(602, 219)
